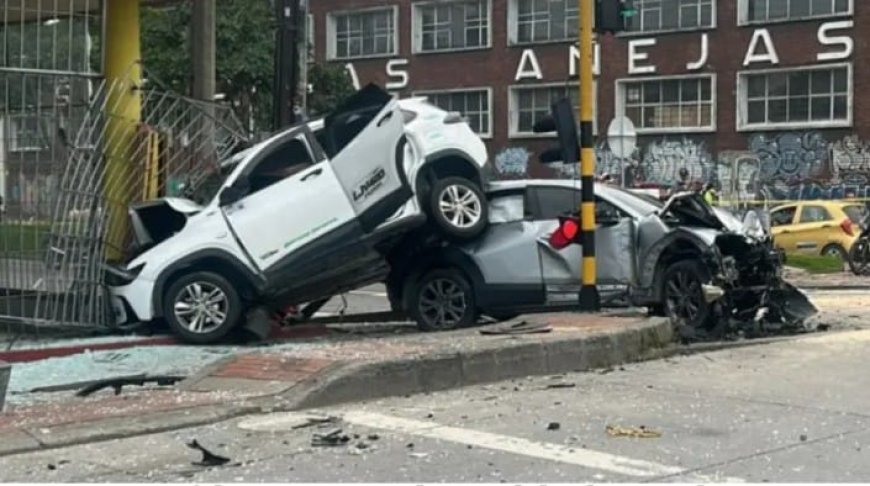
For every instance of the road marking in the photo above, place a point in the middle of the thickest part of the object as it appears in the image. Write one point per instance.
(514, 445)
(369, 293)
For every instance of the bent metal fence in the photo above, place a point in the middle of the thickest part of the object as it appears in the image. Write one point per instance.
(66, 217)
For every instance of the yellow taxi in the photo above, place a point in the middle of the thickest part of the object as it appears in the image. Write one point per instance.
(817, 227)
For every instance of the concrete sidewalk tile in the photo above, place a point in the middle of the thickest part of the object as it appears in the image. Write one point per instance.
(13, 441)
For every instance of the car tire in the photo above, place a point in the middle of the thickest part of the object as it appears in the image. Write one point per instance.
(835, 250)
(442, 300)
(458, 208)
(683, 295)
(194, 303)
(859, 257)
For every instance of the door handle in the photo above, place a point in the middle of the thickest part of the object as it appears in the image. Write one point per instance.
(385, 119)
(313, 173)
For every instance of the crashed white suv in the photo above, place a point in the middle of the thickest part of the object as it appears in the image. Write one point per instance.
(307, 214)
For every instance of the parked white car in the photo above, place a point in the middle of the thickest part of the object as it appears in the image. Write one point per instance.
(309, 213)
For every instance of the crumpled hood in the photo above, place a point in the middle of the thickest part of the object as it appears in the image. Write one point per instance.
(180, 204)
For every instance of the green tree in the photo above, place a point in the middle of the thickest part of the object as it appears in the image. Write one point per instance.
(245, 52)
(330, 85)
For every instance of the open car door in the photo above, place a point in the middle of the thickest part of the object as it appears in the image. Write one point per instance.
(366, 143)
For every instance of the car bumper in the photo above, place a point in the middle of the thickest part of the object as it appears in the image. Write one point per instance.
(133, 302)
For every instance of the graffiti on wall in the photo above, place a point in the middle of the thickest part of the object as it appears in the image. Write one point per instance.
(513, 162)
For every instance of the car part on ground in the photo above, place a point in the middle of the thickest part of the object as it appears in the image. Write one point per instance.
(709, 272)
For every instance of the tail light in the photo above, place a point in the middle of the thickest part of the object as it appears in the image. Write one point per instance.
(567, 233)
(846, 225)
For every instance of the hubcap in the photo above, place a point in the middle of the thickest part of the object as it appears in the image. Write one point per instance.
(442, 304)
(683, 294)
(201, 307)
(460, 205)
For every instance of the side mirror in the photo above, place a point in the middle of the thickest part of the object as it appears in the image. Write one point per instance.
(232, 194)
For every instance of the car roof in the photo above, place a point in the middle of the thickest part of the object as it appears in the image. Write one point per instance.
(623, 198)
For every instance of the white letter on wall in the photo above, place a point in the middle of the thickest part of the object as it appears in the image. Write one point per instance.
(574, 57)
(845, 41)
(532, 71)
(634, 56)
(769, 54)
(353, 77)
(401, 74)
(705, 54)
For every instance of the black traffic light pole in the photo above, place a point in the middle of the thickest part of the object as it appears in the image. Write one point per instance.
(286, 65)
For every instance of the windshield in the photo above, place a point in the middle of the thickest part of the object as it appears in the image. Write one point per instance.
(641, 203)
(203, 188)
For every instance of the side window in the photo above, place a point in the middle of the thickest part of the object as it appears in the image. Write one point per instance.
(556, 201)
(814, 214)
(782, 217)
(605, 211)
(284, 161)
(507, 208)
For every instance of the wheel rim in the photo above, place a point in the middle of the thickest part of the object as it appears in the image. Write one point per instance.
(683, 296)
(442, 303)
(201, 307)
(833, 252)
(460, 206)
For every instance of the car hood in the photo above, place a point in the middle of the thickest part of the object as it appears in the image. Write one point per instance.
(692, 211)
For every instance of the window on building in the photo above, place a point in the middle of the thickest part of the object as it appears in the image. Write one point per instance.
(661, 15)
(473, 104)
(531, 103)
(363, 34)
(796, 97)
(663, 104)
(544, 20)
(779, 10)
(462, 24)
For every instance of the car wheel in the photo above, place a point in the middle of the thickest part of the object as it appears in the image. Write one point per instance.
(443, 300)
(202, 307)
(859, 257)
(458, 207)
(835, 251)
(683, 294)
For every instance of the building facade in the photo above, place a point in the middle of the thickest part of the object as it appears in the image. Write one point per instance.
(747, 93)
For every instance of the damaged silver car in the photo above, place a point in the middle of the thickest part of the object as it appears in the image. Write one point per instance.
(699, 265)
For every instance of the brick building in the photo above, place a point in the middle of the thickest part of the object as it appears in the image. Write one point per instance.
(749, 93)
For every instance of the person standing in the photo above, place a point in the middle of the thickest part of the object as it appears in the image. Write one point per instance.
(682, 184)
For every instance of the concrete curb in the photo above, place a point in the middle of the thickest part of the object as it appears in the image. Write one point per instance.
(500, 359)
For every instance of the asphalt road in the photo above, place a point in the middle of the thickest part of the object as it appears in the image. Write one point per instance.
(791, 411)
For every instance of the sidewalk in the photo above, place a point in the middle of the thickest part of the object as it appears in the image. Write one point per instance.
(826, 281)
(337, 369)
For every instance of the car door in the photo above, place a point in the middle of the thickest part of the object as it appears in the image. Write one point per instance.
(813, 229)
(292, 209)
(366, 143)
(782, 225)
(561, 269)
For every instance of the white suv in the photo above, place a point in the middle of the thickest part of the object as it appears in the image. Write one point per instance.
(307, 214)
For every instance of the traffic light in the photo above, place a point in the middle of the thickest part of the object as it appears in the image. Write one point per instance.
(610, 15)
(568, 233)
(561, 120)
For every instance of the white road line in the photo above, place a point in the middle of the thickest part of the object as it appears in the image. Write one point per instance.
(541, 450)
(369, 293)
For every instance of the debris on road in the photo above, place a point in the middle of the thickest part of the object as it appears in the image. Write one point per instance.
(554, 426)
(118, 383)
(209, 459)
(318, 421)
(556, 386)
(418, 455)
(641, 432)
(522, 327)
(332, 439)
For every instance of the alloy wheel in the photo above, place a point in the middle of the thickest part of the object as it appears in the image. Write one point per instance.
(201, 307)
(443, 304)
(683, 296)
(460, 205)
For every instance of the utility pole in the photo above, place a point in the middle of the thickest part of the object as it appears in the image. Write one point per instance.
(589, 298)
(286, 63)
(203, 50)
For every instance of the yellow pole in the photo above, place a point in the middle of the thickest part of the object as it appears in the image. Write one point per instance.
(589, 299)
(124, 109)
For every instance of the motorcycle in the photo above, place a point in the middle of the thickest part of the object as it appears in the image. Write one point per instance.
(859, 254)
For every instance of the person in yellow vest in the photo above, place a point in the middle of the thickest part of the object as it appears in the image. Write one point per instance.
(710, 194)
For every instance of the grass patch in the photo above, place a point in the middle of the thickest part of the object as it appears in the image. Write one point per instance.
(17, 239)
(816, 264)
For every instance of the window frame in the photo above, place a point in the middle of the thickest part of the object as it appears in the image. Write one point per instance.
(489, 96)
(743, 15)
(620, 101)
(794, 215)
(19, 145)
(742, 91)
(302, 137)
(513, 132)
(714, 24)
(513, 27)
(417, 27)
(332, 39)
